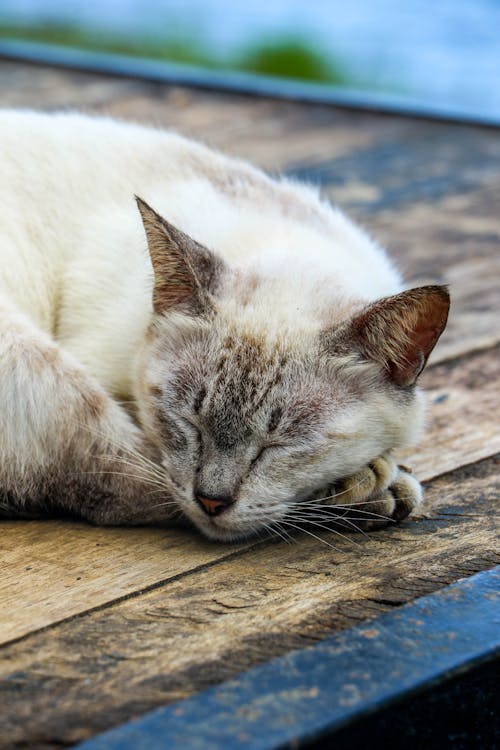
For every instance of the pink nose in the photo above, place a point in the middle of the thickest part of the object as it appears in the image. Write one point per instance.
(214, 506)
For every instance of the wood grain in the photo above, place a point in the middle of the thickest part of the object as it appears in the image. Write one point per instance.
(462, 423)
(456, 242)
(266, 132)
(85, 675)
(52, 570)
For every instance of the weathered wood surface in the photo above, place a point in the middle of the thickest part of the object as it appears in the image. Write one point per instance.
(54, 570)
(463, 414)
(98, 625)
(92, 672)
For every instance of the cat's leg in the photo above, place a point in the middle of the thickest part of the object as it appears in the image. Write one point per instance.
(377, 495)
(65, 445)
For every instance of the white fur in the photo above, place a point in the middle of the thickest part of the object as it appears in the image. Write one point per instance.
(72, 248)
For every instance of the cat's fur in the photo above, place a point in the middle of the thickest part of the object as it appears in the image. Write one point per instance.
(235, 382)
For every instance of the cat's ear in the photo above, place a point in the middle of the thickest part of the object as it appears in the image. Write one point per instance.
(186, 273)
(398, 332)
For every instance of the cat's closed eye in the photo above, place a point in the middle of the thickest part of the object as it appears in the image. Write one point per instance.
(199, 399)
(265, 450)
(274, 419)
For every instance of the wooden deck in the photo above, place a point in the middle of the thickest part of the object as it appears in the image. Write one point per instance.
(100, 625)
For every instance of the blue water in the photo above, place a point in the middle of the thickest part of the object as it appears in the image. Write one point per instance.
(446, 52)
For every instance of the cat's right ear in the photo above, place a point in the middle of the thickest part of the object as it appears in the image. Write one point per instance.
(397, 332)
(186, 274)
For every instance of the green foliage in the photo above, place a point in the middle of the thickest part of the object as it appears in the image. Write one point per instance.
(281, 57)
(290, 58)
(157, 47)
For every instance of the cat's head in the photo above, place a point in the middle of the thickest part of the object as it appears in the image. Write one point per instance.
(252, 412)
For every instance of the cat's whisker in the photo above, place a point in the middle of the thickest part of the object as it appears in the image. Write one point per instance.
(348, 523)
(146, 472)
(147, 465)
(351, 526)
(339, 494)
(121, 474)
(269, 533)
(367, 515)
(306, 520)
(313, 500)
(158, 492)
(346, 508)
(130, 450)
(310, 533)
(283, 533)
(168, 503)
(275, 525)
(275, 531)
(320, 500)
(139, 462)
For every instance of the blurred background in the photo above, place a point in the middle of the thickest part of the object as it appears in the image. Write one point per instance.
(444, 54)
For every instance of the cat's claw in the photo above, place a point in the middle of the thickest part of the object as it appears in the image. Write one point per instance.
(380, 494)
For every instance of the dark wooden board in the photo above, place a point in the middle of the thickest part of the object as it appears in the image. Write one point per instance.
(325, 692)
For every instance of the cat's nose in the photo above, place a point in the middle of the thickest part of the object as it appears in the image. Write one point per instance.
(214, 506)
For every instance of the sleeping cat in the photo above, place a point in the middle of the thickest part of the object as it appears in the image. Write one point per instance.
(243, 358)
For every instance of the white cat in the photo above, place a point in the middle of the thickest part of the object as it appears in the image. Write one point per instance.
(261, 352)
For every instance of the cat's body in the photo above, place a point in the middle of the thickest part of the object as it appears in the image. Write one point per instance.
(288, 274)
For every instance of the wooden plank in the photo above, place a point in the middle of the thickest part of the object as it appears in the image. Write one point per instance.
(457, 242)
(386, 160)
(52, 570)
(72, 567)
(266, 132)
(419, 163)
(247, 126)
(463, 415)
(48, 88)
(98, 670)
(327, 690)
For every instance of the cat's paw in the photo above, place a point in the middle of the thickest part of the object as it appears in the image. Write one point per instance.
(395, 503)
(381, 493)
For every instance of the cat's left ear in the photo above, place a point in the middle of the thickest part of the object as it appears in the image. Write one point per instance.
(398, 332)
(186, 273)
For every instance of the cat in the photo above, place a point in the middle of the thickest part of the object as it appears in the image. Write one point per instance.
(235, 354)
